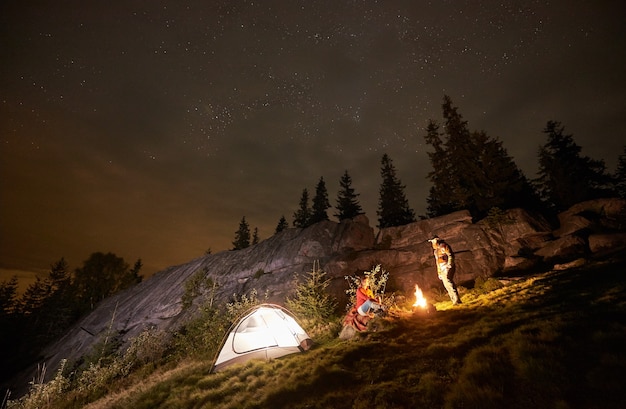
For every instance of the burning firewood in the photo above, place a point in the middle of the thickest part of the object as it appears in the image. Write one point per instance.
(421, 305)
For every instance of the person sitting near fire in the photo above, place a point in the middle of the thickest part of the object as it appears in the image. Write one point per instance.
(444, 259)
(366, 303)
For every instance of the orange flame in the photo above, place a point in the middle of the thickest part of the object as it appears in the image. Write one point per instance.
(420, 301)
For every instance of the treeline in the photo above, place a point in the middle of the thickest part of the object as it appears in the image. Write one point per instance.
(393, 208)
(470, 171)
(50, 305)
(473, 171)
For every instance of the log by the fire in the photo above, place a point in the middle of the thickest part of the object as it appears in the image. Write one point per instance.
(424, 310)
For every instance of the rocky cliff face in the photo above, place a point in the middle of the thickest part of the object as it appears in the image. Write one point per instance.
(514, 242)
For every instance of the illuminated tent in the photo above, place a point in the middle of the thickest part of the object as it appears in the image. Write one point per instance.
(266, 331)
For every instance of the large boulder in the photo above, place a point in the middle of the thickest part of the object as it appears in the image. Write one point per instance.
(563, 249)
(353, 235)
(520, 235)
(597, 215)
(608, 243)
(482, 249)
(594, 227)
(419, 232)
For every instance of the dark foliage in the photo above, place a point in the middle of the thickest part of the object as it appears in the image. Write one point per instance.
(101, 276)
(393, 206)
(255, 236)
(348, 205)
(566, 177)
(302, 216)
(8, 297)
(242, 235)
(472, 171)
(320, 203)
(282, 224)
(439, 200)
(50, 305)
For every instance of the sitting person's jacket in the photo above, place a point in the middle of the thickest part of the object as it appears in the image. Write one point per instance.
(363, 295)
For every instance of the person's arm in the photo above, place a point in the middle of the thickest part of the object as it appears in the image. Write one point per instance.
(360, 297)
(449, 255)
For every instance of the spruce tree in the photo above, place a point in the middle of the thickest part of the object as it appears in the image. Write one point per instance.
(59, 276)
(56, 311)
(48, 297)
(472, 170)
(393, 206)
(11, 321)
(565, 177)
(48, 305)
(8, 299)
(302, 216)
(439, 200)
(34, 297)
(282, 224)
(311, 299)
(16, 342)
(242, 235)
(348, 206)
(320, 203)
(461, 156)
(498, 182)
(255, 236)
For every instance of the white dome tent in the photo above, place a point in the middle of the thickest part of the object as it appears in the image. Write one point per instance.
(266, 331)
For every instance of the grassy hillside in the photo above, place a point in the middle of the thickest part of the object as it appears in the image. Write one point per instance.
(555, 340)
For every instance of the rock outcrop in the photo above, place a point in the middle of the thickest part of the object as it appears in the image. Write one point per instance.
(515, 242)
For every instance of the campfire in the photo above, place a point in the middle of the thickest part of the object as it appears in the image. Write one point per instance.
(421, 305)
(420, 301)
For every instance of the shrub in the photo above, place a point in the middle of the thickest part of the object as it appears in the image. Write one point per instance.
(196, 285)
(200, 336)
(43, 395)
(241, 304)
(311, 300)
(378, 282)
(148, 346)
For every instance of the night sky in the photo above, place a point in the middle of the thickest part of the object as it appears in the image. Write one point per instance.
(150, 128)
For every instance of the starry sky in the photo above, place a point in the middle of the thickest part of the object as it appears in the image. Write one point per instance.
(150, 128)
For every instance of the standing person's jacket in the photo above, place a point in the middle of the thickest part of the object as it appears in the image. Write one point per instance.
(443, 254)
